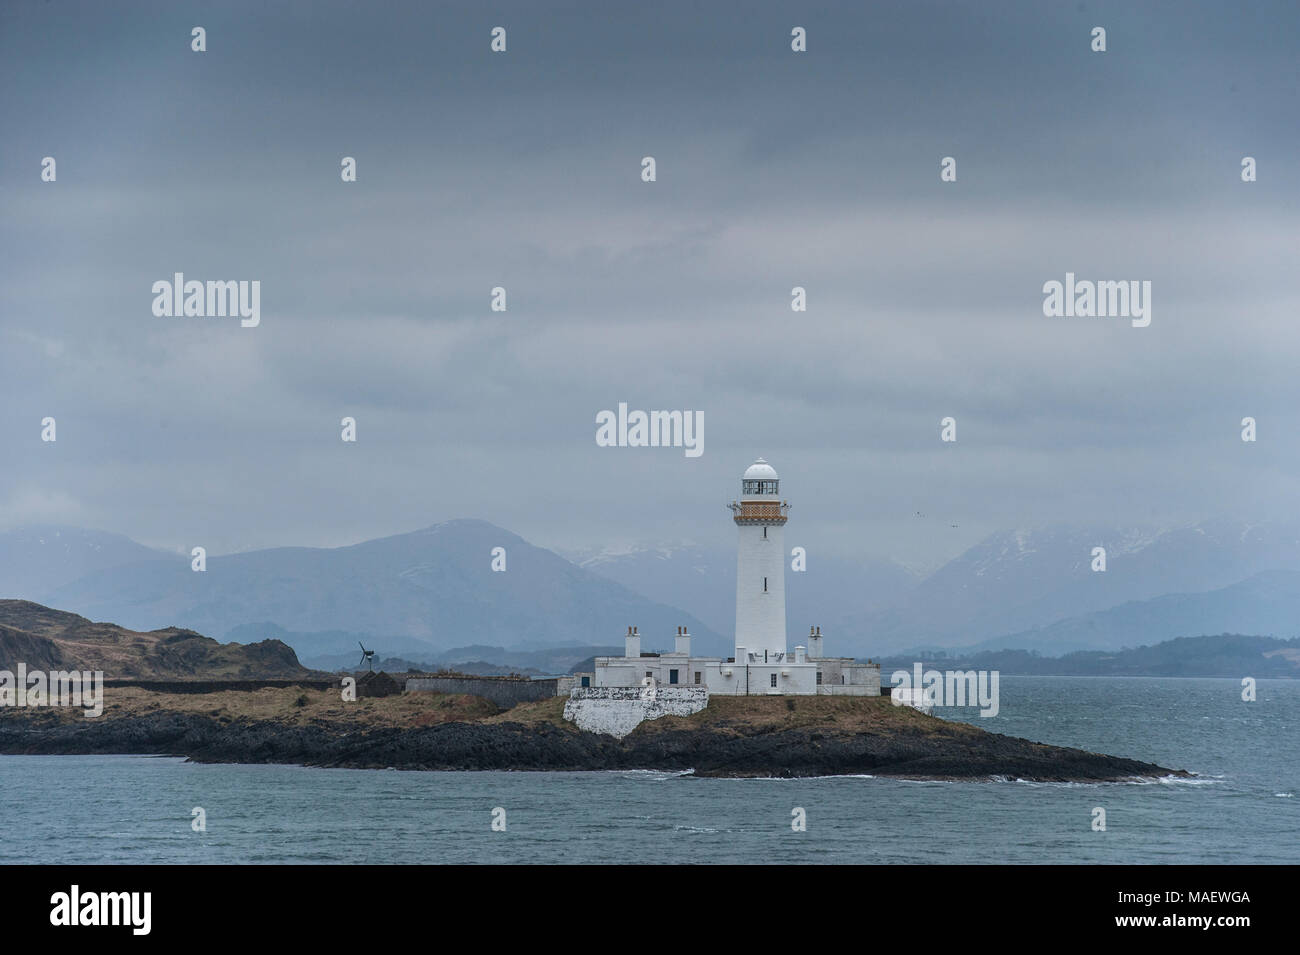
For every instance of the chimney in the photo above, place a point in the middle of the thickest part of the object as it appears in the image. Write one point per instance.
(633, 639)
(683, 641)
(815, 643)
(798, 654)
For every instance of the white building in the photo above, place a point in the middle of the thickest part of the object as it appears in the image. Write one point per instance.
(762, 664)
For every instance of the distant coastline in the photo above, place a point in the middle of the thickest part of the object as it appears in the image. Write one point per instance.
(1226, 655)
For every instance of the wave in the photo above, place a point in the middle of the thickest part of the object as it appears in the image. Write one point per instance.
(653, 774)
(1194, 780)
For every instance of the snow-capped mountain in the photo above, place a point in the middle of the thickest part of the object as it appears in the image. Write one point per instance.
(1017, 581)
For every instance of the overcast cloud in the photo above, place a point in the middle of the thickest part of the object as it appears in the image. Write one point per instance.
(522, 170)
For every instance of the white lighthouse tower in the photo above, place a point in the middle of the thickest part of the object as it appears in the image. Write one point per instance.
(622, 691)
(760, 517)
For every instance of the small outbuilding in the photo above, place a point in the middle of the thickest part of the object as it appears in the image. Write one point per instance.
(377, 684)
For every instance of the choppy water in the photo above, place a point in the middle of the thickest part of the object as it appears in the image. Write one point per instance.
(1242, 808)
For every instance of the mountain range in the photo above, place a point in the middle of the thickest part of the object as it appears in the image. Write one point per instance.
(422, 595)
(1036, 589)
(430, 589)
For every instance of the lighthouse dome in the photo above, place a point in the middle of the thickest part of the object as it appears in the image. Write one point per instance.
(760, 479)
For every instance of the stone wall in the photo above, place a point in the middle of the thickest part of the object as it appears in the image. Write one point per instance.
(220, 686)
(504, 693)
(618, 710)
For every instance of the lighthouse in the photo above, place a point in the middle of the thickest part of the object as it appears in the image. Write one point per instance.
(646, 683)
(760, 517)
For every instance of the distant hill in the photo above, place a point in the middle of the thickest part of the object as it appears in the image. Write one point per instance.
(46, 639)
(434, 586)
(1022, 582)
(476, 659)
(396, 665)
(1227, 655)
(1267, 603)
(333, 649)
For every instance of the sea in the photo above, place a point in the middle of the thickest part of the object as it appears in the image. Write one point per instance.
(1240, 807)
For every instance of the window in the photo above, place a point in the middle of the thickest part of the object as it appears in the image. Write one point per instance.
(764, 532)
(697, 677)
(764, 585)
(672, 676)
(819, 677)
(648, 673)
(586, 682)
(773, 679)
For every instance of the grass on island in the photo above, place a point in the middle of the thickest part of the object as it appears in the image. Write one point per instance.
(294, 705)
(302, 707)
(846, 715)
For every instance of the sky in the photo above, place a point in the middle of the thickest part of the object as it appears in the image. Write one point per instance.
(522, 169)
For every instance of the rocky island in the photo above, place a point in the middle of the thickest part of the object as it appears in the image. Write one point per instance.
(745, 736)
(174, 692)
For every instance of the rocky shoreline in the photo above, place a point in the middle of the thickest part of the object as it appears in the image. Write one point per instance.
(917, 747)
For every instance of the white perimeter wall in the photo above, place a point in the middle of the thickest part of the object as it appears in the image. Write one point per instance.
(617, 711)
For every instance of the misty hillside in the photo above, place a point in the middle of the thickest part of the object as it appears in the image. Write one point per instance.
(1014, 582)
(1267, 603)
(434, 585)
(37, 560)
